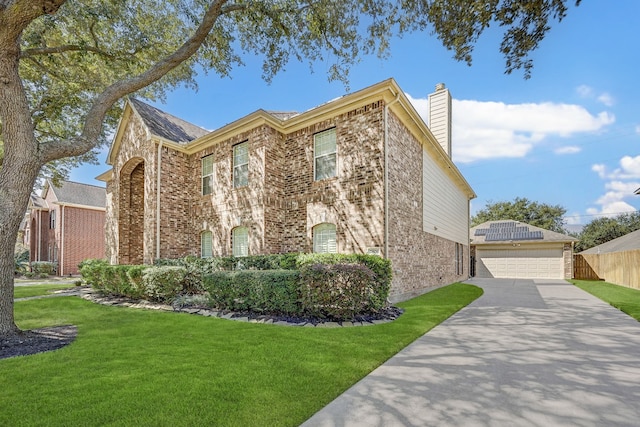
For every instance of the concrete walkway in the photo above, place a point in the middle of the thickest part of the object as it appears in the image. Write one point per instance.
(526, 353)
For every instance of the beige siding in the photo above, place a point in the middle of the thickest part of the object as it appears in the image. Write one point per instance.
(445, 208)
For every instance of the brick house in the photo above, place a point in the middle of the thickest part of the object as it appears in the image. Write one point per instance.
(362, 173)
(65, 225)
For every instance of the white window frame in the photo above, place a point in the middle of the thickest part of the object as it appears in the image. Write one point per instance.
(206, 174)
(320, 138)
(325, 238)
(206, 237)
(52, 219)
(239, 166)
(240, 241)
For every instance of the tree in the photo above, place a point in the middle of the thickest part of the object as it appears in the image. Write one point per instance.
(602, 230)
(533, 213)
(65, 64)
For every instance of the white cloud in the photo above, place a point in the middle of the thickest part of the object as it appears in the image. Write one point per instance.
(622, 182)
(584, 91)
(638, 129)
(487, 130)
(570, 149)
(606, 99)
(612, 209)
(588, 92)
(629, 169)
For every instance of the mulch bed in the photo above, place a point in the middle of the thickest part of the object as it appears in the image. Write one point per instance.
(37, 341)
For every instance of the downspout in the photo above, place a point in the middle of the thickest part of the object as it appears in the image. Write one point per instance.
(386, 174)
(39, 235)
(61, 254)
(159, 170)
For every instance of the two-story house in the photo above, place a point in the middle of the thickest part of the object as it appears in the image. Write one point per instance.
(65, 225)
(362, 173)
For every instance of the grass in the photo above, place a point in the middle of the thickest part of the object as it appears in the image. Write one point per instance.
(141, 367)
(37, 290)
(622, 298)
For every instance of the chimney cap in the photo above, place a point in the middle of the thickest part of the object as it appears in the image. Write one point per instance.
(440, 86)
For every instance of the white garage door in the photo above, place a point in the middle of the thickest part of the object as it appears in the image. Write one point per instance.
(520, 263)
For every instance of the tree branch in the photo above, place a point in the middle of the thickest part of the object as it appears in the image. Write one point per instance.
(95, 117)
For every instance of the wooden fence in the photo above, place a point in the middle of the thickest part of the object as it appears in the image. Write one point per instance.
(620, 268)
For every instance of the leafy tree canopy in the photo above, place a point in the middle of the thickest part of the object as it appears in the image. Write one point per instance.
(66, 64)
(78, 48)
(520, 209)
(602, 230)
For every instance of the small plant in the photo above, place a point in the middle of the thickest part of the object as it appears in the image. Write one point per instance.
(43, 269)
(21, 260)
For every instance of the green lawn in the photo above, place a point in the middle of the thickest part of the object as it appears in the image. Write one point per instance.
(622, 298)
(36, 290)
(141, 367)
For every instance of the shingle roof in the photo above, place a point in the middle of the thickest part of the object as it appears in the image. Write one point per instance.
(79, 194)
(166, 125)
(627, 242)
(533, 234)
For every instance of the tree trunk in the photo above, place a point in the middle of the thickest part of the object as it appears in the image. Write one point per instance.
(19, 168)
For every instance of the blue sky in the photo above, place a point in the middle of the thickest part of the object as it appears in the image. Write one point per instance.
(569, 135)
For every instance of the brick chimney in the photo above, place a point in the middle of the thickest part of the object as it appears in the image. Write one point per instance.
(440, 116)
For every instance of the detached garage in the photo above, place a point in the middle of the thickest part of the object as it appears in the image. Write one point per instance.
(511, 249)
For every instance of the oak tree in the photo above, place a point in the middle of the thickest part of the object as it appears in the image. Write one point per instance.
(549, 217)
(66, 64)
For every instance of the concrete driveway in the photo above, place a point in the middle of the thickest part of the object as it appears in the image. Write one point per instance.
(526, 353)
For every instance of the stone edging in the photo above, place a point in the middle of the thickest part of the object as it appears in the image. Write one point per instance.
(89, 294)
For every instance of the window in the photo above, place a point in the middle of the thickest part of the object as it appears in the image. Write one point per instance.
(206, 244)
(240, 241)
(241, 165)
(459, 259)
(207, 175)
(52, 219)
(324, 239)
(324, 154)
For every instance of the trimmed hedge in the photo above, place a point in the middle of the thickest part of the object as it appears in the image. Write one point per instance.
(328, 286)
(230, 263)
(165, 283)
(339, 291)
(274, 292)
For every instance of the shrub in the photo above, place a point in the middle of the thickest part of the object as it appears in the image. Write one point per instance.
(136, 286)
(124, 280)
(163, 283)
(268, 291)
(21, 261)
(379, 266)
(43, 268)
(339, 291)
(91, 271)
(230, 263)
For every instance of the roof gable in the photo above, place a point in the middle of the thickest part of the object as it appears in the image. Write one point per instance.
(165, 125)
(509, 231)
(75, 193)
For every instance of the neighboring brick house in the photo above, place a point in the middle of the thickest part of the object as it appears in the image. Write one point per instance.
(362, 173)
(66, 225)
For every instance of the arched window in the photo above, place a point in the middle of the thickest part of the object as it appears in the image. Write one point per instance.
(240, 241)
(206, 244)
(324, 238)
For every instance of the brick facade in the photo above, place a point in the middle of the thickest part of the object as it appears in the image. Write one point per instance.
(282, 202)
(66, 233)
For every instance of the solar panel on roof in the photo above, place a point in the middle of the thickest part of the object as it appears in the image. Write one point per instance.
(506, 231)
